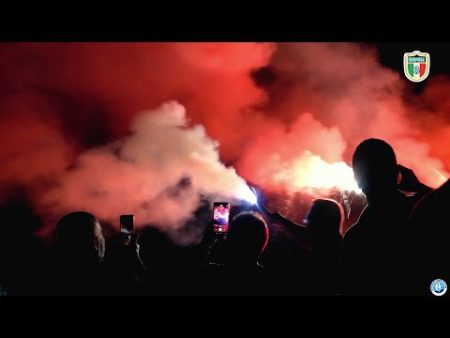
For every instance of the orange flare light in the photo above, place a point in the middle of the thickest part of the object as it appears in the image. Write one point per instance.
(311, 171)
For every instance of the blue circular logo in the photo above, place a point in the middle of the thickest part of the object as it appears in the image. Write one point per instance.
(438, 287)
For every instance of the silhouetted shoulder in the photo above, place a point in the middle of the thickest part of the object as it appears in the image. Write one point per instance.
(351, 232)
(354, 230)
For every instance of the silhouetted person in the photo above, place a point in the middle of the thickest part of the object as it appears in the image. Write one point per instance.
(241, 272)
(159, 255)
(372, 248)
(75, 262)
(246, 240)
(324, 221)
(288, 253)
(428, 254)
(125, 271)
(177, 268)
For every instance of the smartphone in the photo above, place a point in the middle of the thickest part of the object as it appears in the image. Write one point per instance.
(126, 227)
(221, 216)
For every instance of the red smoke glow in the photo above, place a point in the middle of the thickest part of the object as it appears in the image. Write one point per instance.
(67, 111)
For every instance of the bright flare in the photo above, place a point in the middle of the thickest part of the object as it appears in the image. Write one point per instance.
(311, 171)
(245, 193)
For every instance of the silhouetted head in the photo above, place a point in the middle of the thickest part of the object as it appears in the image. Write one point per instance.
(325, 218)
(156, 248)
(375, 168)
(247, 238)
(79, 234)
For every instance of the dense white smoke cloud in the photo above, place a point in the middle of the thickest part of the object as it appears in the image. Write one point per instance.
(158, 173)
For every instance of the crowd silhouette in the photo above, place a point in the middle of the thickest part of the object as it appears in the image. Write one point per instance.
(398, 245)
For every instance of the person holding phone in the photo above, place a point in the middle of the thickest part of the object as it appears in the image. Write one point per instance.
(372, 259)
(126, 229)
(241, 271)
(127, 273)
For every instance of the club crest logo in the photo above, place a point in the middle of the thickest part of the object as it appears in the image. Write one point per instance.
(416, 66)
